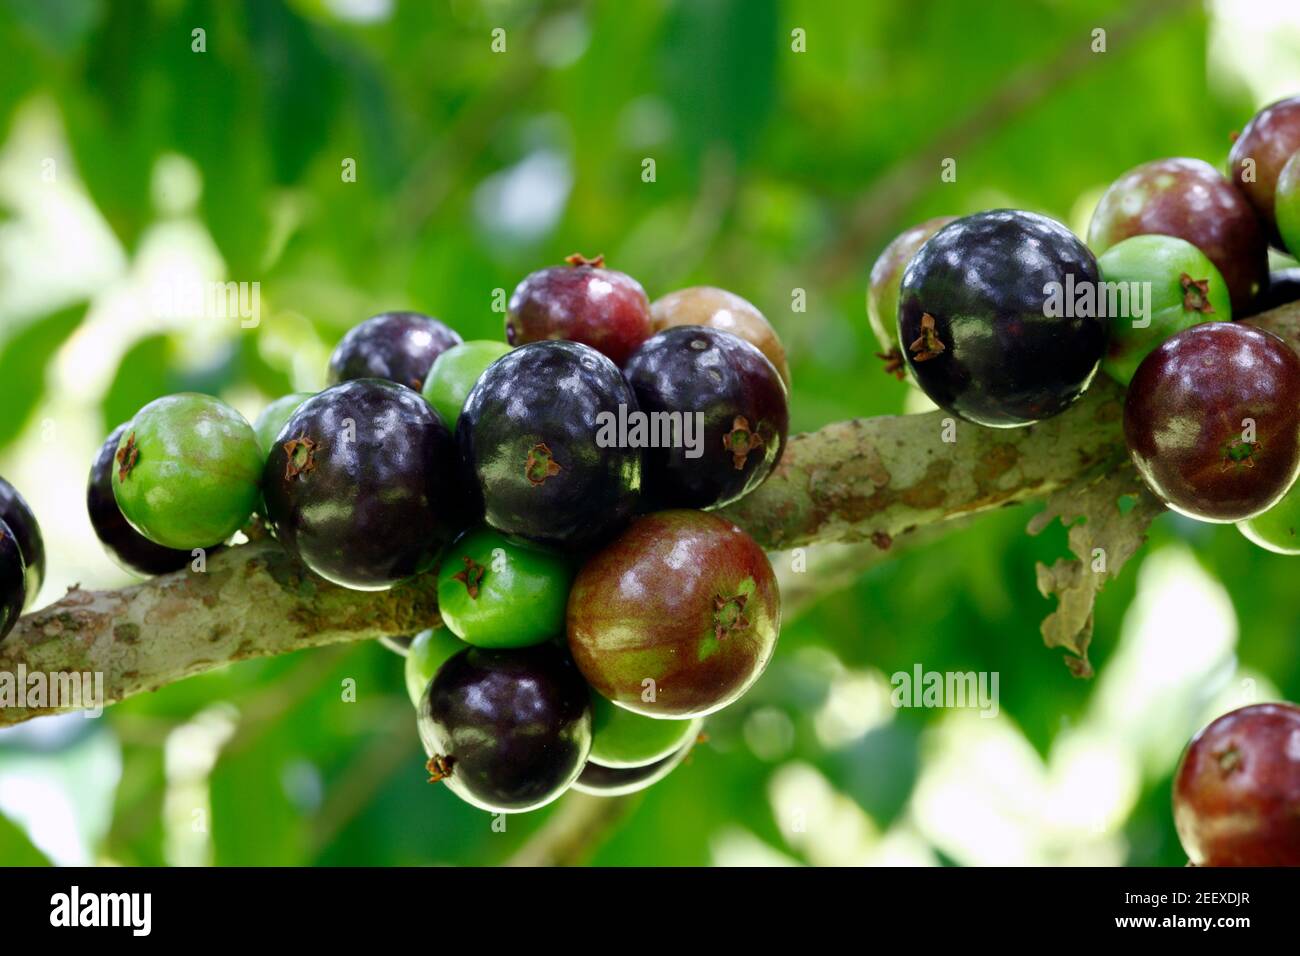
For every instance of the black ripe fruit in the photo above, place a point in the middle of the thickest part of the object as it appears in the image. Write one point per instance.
(398, 346)
(978, 326)
(689, 376)
(15, 512)
(12, 586)
(361, 484)
(508, 730)
(125, 545)
(528, 433)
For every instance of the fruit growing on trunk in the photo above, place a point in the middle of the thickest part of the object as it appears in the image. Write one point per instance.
(725, 311)
(883, 287)
(1189, 199)
(1212, 421)
(363, 487)
(397, 346)
(507, 730)
(979, 328)
(1237, 789)
(677, 617)
(727, 397)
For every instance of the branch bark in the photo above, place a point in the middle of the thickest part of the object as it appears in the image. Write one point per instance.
(865, 480)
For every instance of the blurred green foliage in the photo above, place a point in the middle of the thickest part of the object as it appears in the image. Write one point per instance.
(474, 167)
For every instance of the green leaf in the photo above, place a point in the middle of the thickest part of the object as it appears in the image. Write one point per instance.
(24, 357)
(16, 849)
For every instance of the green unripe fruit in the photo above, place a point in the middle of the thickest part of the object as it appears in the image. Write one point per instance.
(187, 471)
(1170, 282)
(429, 650)
(1286, 204)
(621, 738)
(454, 373)
(497, 591)
(1278, 528)
(268, 424)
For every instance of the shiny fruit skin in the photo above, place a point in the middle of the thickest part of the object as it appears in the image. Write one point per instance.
(429, 650)
(1237, 789)
(188, 469)
(1278, 528)
(887, 274)
(1287, 205)
(497, 591)
(601, 308)
(126, 546)
(716, 308)
(513, 727)
(730, 387)
(454, 372)
(1189, 199)
(601, 781)
(651, 605)
(15, 512)
(528, 433)
(268, 423)
(397, 346)
(1186, 289)
(994, 356)
(1269, 140)
(13, 577)
(361, 484)
(1184, 414)
(620, 738)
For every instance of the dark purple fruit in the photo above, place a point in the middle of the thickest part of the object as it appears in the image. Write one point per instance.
(507, 730)
(1237, 789)
(1212, 421)
(15, 512)
(581, 302)
(528, 433)
(1283, 289)
(13, 575)
(619, 781)
(361, 484)
(398, 346)
(976, 323)
(719, 309)
(1189, 199)
(128, 547)
(677, 617)
(1260, 152)
(713, 417)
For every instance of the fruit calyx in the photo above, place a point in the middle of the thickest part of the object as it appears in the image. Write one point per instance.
(578, 259)
(540, 464)
(439, 767)
(471, 576)
(740, 441)
(1196, 294)
(893, 360)
(1229, 760)
(927, 344)
(126, 457)
(729, 615)
(1240, 453)
(300, 456)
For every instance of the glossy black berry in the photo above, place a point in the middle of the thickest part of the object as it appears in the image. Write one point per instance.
(979, 329)
(361, 484)
(714, 417)
(128, 547)
(12, 581)
(398, 346)
(529, 434)
(15, 512)
(602, 781)
(508, 730)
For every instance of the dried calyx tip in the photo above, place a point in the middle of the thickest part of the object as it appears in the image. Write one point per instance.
(578, 259)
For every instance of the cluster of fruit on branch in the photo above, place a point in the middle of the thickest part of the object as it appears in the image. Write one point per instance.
(1004, 318)
(559, 485)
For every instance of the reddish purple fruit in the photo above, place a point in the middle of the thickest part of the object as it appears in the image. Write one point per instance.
(677, 617)
(581, 302)
(1191, 200)
(1212, 421)
(1237, 789)
(1259, 154)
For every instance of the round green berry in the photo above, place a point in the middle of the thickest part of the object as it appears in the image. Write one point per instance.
(1278, 528)
(498, 591)
(454, 373)
(621, 738)
(429, 650)
(1153, 288)
(1286, 204)
(186, 471)
(273, 418)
